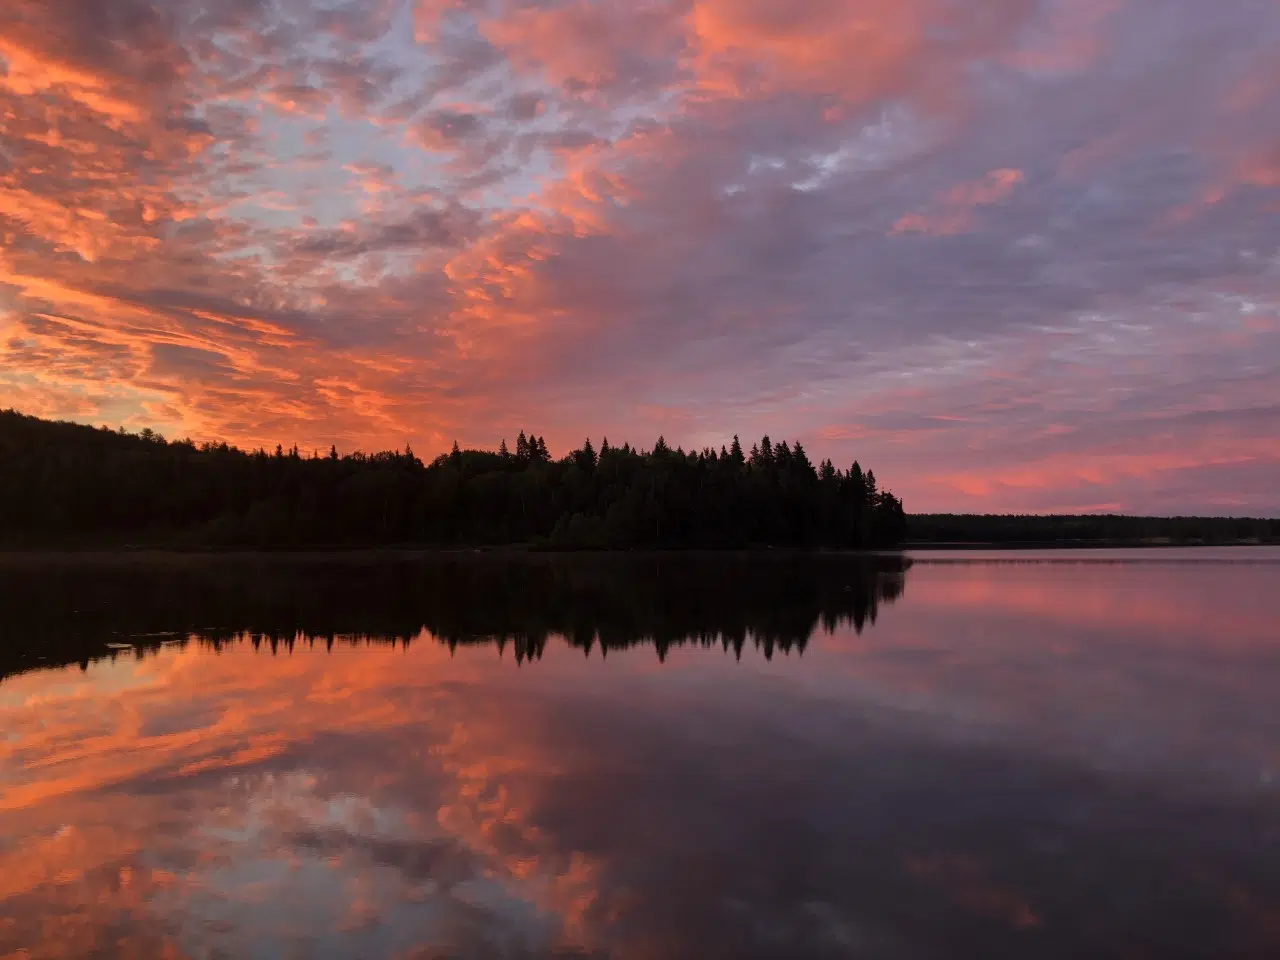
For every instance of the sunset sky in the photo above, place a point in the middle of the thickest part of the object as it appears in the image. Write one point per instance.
(1013, 254)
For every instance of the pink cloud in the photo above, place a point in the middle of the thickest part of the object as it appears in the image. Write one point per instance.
(955, 210)
(291, 223)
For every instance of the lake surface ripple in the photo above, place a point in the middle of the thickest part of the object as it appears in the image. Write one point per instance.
(969, 755)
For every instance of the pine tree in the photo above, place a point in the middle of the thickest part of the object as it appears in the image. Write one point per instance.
(668, 497)
(522, 447)
(503, 452)
(800, 458)
(735, 451)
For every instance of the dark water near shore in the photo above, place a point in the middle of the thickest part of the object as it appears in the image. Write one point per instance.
(981, 755)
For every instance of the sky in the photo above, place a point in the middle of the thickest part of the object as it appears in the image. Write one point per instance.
(1015, 255)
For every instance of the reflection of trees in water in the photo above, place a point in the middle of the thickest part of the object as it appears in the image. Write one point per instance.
(68, 611)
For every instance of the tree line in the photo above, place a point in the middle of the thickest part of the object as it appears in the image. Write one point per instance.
(63, 483)
(1019, 530)
(63, 609)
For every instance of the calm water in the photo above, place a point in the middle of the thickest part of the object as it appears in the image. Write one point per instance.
(642, 758)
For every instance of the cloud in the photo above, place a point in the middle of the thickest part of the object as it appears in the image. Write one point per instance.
(956, 207)
(858, 51)
(404, 799)
(766, 215)
(417, 232)
(443, 129)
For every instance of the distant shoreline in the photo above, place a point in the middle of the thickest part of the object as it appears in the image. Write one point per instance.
(1083, 544)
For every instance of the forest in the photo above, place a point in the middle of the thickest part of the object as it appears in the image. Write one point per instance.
(65, 484)
(1101, 529)
(70, 608)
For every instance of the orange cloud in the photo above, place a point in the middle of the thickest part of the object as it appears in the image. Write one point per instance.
(1104, 467)
(956, 208)
(428, 15)
(859, 50)
(28, 74)
(582, 213)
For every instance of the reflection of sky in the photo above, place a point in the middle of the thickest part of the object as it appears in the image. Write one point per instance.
(1034, 760)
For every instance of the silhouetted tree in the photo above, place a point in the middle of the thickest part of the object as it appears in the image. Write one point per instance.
(67, 483)
(63, 483)
(64, 611)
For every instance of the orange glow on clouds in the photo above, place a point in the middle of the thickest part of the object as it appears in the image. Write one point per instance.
(145, 793)
(311, 225)
(956, 208)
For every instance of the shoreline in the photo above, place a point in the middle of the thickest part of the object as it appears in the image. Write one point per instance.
(17, 555)
(1083, 544)
(138, 553)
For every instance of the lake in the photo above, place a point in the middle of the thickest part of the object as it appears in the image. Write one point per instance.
(1000, 754)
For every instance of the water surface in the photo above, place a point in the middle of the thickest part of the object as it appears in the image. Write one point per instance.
(1068, 755)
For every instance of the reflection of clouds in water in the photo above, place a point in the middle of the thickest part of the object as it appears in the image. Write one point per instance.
(1151, 670)
(422, 802)
(283, 817)
(356, 873)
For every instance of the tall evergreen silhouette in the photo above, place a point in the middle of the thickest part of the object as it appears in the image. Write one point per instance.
(65, 483)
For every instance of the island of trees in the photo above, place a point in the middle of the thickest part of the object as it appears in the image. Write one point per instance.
(68, 484)
(74, 607)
